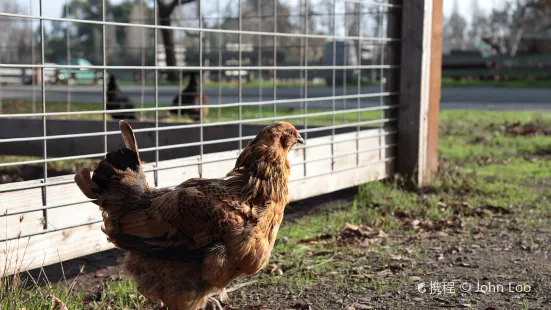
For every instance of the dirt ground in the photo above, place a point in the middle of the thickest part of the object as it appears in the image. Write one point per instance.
(487, 263)
(477, 237)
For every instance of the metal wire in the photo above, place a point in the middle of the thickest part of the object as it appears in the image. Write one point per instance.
(45, 143)
(193, 29)
(224, 105)
(20, 188)
(252, 68)
(253, 120)
(304, 162)
(319, 115)
(91, 222)
(156, 175)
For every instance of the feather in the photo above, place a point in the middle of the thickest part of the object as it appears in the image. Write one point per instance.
(187, 243)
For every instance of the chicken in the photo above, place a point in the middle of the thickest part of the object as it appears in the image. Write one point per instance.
(191, 96)
(185, 245)
(117, 100)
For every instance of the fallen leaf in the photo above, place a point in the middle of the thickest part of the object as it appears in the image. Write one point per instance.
(359, 306)
(438, 234)
(57, 304)
(349, 226)
(360, 235)
(384, 272)
(317, 238)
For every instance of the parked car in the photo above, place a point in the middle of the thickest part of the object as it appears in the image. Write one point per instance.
(78, 75)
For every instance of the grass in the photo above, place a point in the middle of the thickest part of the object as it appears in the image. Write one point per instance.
(221, 115)
(448, 82)
(215, 114)
(292, 83)
(61, 165)
(467, 177)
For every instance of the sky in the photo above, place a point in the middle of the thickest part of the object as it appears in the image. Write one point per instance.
(53, 8)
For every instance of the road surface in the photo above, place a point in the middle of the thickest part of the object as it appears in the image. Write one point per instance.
(483, 98)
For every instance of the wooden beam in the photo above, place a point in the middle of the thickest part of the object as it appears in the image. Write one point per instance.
(415, 80)
(435, 90)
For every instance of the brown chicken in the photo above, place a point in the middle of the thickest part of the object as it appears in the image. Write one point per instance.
(186, 244)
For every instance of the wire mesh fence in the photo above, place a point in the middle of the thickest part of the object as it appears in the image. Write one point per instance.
(196, 80)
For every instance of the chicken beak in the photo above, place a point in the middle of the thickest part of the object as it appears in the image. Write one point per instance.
(300, 140)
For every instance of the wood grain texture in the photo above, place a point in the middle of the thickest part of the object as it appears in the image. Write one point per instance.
(435, 91)
(415, 80)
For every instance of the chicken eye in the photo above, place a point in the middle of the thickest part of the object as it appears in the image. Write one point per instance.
(290, 132)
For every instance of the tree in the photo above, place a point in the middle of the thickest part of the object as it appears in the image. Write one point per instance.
(86, 40)
(83, 38)
(10, 29)
(515, 19)
(454, 30)
(479, 27)
(138, 40)
(352, 19)
(165, 10)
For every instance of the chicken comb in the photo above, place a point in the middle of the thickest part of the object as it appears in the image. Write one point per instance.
(129, 137)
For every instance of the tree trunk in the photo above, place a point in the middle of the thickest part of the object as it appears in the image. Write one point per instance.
(168, 41)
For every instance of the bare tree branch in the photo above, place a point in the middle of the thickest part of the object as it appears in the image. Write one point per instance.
(166, 9)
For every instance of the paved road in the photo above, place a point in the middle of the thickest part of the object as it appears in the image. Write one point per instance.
(484, 98)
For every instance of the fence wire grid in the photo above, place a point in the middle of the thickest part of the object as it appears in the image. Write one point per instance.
(238, 65)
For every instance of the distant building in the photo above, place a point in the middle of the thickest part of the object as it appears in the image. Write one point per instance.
(179, 51)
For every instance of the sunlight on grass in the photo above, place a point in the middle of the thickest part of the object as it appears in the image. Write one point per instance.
(500, 171)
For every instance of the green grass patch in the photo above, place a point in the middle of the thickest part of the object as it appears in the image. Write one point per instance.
(265, 114)
(509, 181)
(448, 82)
(293, 83)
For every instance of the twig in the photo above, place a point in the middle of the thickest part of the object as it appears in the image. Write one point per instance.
(240, 285)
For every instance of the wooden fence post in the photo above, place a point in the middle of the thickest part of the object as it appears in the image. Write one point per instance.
(435, 90)
(419, 87)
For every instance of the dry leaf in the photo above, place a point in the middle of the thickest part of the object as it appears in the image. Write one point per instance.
(57, 304)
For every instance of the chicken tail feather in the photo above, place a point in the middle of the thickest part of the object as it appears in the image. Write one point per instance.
(118, 184)
(129, 138)
(84, 182)
(118, 177)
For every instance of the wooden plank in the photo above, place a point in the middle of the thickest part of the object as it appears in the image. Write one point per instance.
(51, 247)
(414, 90)
(37, 251)
(318, 149)
(315, 186)
(435, 91)
(343, 146)
(17, 200)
